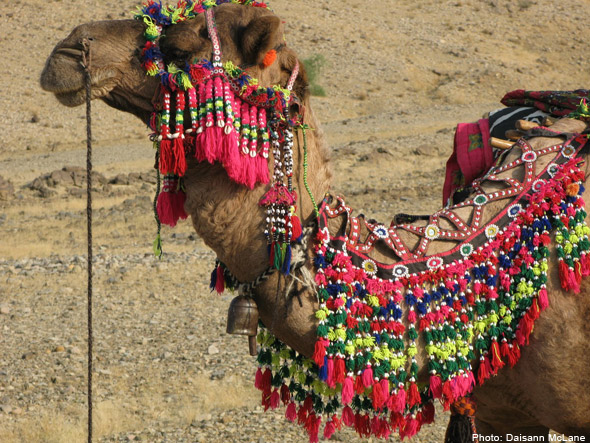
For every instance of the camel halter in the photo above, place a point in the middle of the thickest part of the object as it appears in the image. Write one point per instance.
(233, 121)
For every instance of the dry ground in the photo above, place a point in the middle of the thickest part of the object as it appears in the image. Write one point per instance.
(398, 77)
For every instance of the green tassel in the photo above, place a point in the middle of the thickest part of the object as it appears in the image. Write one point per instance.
(278, 259)
(158, 246)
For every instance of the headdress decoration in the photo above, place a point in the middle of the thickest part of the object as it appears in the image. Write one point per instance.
(234, 121)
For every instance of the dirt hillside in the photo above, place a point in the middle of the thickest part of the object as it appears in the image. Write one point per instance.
(398, 76)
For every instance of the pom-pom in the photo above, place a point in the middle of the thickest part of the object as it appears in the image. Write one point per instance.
(347, 391)
(269, 58)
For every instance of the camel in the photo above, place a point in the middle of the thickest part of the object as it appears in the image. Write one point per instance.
(546, 389)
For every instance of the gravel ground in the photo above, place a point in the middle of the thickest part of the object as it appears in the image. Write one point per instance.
(398, 77)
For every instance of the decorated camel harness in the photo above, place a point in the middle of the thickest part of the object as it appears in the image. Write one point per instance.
(472, 304)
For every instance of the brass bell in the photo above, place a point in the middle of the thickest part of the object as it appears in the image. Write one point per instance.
(242, 319)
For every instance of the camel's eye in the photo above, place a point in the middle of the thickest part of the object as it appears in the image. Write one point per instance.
(203, 33)
(175, 55)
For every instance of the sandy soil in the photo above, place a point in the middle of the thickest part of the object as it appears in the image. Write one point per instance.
(398, 77)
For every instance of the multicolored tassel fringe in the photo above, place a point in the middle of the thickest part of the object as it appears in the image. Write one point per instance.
(364, 374)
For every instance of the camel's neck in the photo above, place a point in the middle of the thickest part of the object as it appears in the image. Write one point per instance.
(227, 216)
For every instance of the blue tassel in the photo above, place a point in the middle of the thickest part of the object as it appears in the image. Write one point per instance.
(286, 268)
(324, 370)
(213, 279)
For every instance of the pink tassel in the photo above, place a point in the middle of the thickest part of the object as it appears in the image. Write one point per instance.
(368, 378)
(412, 316)
(291, 412)
(330, 381)
(347, 391)
(261, 172)
(385, 389)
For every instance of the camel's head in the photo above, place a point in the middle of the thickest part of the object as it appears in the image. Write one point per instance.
(246, 34)
(113, 56)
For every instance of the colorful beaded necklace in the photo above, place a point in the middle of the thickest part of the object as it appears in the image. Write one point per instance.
(234, 121)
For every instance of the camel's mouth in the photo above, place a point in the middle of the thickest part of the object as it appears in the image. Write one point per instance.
(64, 76)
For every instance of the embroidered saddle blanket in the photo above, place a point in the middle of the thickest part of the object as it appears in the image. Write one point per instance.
(471, 282)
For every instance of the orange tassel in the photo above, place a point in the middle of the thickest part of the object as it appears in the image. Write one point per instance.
(269, 58)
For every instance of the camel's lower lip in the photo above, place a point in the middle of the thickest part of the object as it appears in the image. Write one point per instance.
(71, 98)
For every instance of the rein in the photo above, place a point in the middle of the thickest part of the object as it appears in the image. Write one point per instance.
(86, 62)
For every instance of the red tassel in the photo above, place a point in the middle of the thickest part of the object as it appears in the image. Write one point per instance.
(329, 429)
(448, 395)
(269, 59)
(504, 349)
(339, 370)
(564, 275)
(413, 395)
(428, 413)
(347, 391)
(359, 387)
(484, 371)
(170, 207)
(179, 160)
(291, 412)
(258, 379)
(220, 281)
(397, 402)
(320, 351)
(435, 386)
(296, 229)
(266, 380)
(497, 362)
(166, 162)
(348, 416)
(285, 394)
(275, 399)
(409, 429)
(514, 355)
(377, 397)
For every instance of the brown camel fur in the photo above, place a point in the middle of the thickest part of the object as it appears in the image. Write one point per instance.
(548, 388)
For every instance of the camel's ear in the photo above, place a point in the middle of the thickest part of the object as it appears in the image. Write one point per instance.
(260, 36)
